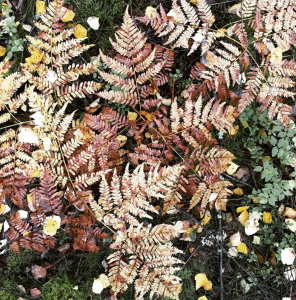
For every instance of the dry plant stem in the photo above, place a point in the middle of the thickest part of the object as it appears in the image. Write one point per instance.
(237, 180)
(223, 249)
(221, 255)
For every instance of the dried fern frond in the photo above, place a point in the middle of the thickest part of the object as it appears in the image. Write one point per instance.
(181, 25)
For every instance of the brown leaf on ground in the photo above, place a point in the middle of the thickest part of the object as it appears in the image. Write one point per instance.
(38, 272)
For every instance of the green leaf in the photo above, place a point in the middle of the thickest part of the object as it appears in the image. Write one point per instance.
(274, 151)
(273, 141)
(259, 169)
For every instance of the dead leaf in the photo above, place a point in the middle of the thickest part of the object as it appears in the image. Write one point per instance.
(201, 280)
(35, 293)
(38, 272)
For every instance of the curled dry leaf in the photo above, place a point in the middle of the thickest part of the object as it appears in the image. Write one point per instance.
(290, 213)
(93, 23)
(38, 272)
(252, 224)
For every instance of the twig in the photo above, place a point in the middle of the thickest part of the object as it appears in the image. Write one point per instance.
(221, 255)
(253, 177)
(235, 179)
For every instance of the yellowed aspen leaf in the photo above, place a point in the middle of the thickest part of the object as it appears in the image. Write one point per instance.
(35, 173)
(267, 217)
(272, 259)
(150, 11)
(233, 130)
(132, 116)
(2, 208)
(244, 123)
(242, 209)
(243, 217)
(238, 191)
(40, 7)
(235, 240)
(51, 225)
(122, 139)
(202, 298)
(69, 16)
(35, 57)
(147, 115)
(194, 2)
(234, 9)
(201, 280)
(25, 233)
(242, 247)
(276, 56)
(256, 240)
(232, 168)
(289, 212)
(6, 84)
(221, 32)
(147, 135)
(2, 51)
(205, 220)
(80, 32)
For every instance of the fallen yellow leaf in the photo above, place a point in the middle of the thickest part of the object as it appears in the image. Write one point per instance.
(233, 130)
(242, 247)
(244, 123)
(40, 7)
(132, 116)
(221, 32)
(147, 135)
(2, 208)
(35, 57)
(267, 217)
(234, 9)
(147, 115)
(276, 56)
(69, 16)
(80, 32)
(2, 51)
(232, 168)
(243, 217)
(150, 11)
(242, 208)
(35, 174)
(202, 298)
(238, 191)
(201, 280)
(51, 225)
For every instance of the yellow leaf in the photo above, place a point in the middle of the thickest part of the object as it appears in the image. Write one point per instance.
(29, 198)
(242, 247)
(2, 208)
(267, 217)
(262, 132)
(132, 116)
(221, 32)
(242, 208)
(40, 7)
(157, 207)
(205, 220)
(80, 32)
(265, 158)
(51, 225)
(234, 9)
(232, 168)
(201, 280)
(233, 130)
(276, 56)
(244, 123)
(6, 84)
(147, 115)
(35, 174)
(69, 16)
(202, 298)
(35, 57)
(238, 191)
(150, 11)
(147, 135)
(243, 217)
(2, 51)
(100, 201)
(194, 2)
(25, 233)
